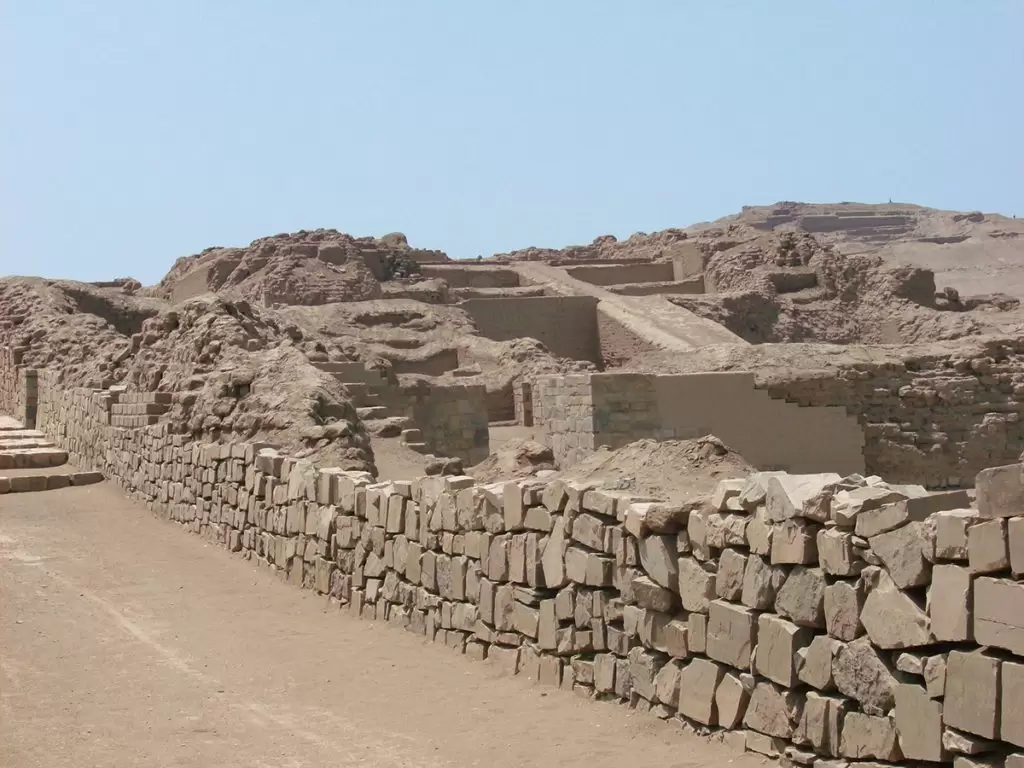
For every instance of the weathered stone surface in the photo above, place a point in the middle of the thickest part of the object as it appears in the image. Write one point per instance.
(649, 595)
(1011, 718)
(988, 547)
(967, 744)
(730, 574)
(802, 597)
(836, 553)
(868, 736)
(778, 641)
(732, 633)
(951, 533)
(666, 684)
(1000, 491)
(643, 668)
(794, 542)
(659, 559)
(861, 673)
(814, 663)
(1015, 536)
(919, 724)
(696, 586)
(892, 618)
(972, 693)
(761, 583)
(725, 491)
(785, 495)
(950, 603)
(935, 675)
(821, 723)
(999, 613)
(673, 639)
(697, 632)
(759, 533)
(698, 682)
(843, 603)
(902, 551)
(770, 710)
(553, 559)
(731, 698)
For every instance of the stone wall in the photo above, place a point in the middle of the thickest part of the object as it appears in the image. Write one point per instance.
(936, 419)
(813, 617)
(452, 417)
(617, 274)
(18, 388)
(566, 325)
(617, 408)
(690, 286)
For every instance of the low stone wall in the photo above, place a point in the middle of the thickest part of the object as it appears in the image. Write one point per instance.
(579, 413)
(452, 417)
(566, 325)
(813, 617)
(618, 274)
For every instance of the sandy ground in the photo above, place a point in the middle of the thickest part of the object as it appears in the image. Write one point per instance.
(126, 642)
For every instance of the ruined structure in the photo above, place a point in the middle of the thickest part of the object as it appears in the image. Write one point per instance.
(315, 403)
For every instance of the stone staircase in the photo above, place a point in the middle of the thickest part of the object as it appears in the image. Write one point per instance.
(366, 388)
(25, 457)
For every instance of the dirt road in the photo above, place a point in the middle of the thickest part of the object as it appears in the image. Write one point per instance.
(126, 642)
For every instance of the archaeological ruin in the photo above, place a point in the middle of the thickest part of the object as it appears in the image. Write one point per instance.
(758, 478)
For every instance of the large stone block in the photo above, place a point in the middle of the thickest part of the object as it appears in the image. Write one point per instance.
(778, 641)
(988, 547)
(919, 724)
(814, 663)
(786, 495)
(771, 710)
(949, 603)
(902, 551)
(1000, 491)
(730, 574)
(843, 603)
(999, 613)
(972, 693)
(794, 542)
(802, 597)
(696, 585)
(892, 618)
(861, 673)
(761, 583)
(732, 633)
(659, 559)
(951, 533)
(1011, 718)
(1015, 535)
(698, 682)
(869, 736)
(821, 723)
(731, 699)
(836, 553)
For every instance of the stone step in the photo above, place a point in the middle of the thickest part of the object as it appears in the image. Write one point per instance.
(17, 445)
(418, 447)
(372, 412)
(412, 436)
(33, 458)
(48, 482)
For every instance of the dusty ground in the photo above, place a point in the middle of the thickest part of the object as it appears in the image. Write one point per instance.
(127, 642)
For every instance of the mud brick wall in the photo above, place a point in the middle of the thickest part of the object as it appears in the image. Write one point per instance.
(617, 274)
(563, 408)
(933, 419)
(452, 417)
(620, 408)
(472, 277)
(566, 325)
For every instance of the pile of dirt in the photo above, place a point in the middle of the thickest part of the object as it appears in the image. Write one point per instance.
(680, 471)
(515, 459)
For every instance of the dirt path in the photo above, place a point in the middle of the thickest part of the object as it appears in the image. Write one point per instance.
(126, 642)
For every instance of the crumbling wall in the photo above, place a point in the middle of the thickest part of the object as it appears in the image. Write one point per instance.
(619, 345)
(811, 617)
(935, 419)
(566, 325)
(563, 407)
(771, 434)
(472, 277)
(19, 388)
(452, 417)
(195, 283)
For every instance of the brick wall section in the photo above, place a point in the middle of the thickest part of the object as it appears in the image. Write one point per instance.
(770, 434)
(566, 325)
(935, 419)
(787, 611)
(563, 408)
(452, 417)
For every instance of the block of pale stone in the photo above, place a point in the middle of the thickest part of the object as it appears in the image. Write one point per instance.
(949, 603)
(919, 724)
(971, 700)
(951, 533)
(869, 736)
(698, 682)
(999, 613)
(769, 709)
(1000, 491)
(987, 547)
(1011, 719)
(778, 641)
(732, 633)
(843, 603)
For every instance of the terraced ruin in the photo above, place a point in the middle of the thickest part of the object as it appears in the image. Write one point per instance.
(758, 479)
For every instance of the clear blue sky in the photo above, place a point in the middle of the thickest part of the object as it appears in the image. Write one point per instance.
(137, 131)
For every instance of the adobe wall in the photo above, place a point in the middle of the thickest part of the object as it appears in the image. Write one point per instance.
(452, 417)
(689, 286)
(617, 274)
(195, 283)
(566, 325)
(806, 617)
(936, 419)
(619, 408)
(472, 277)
